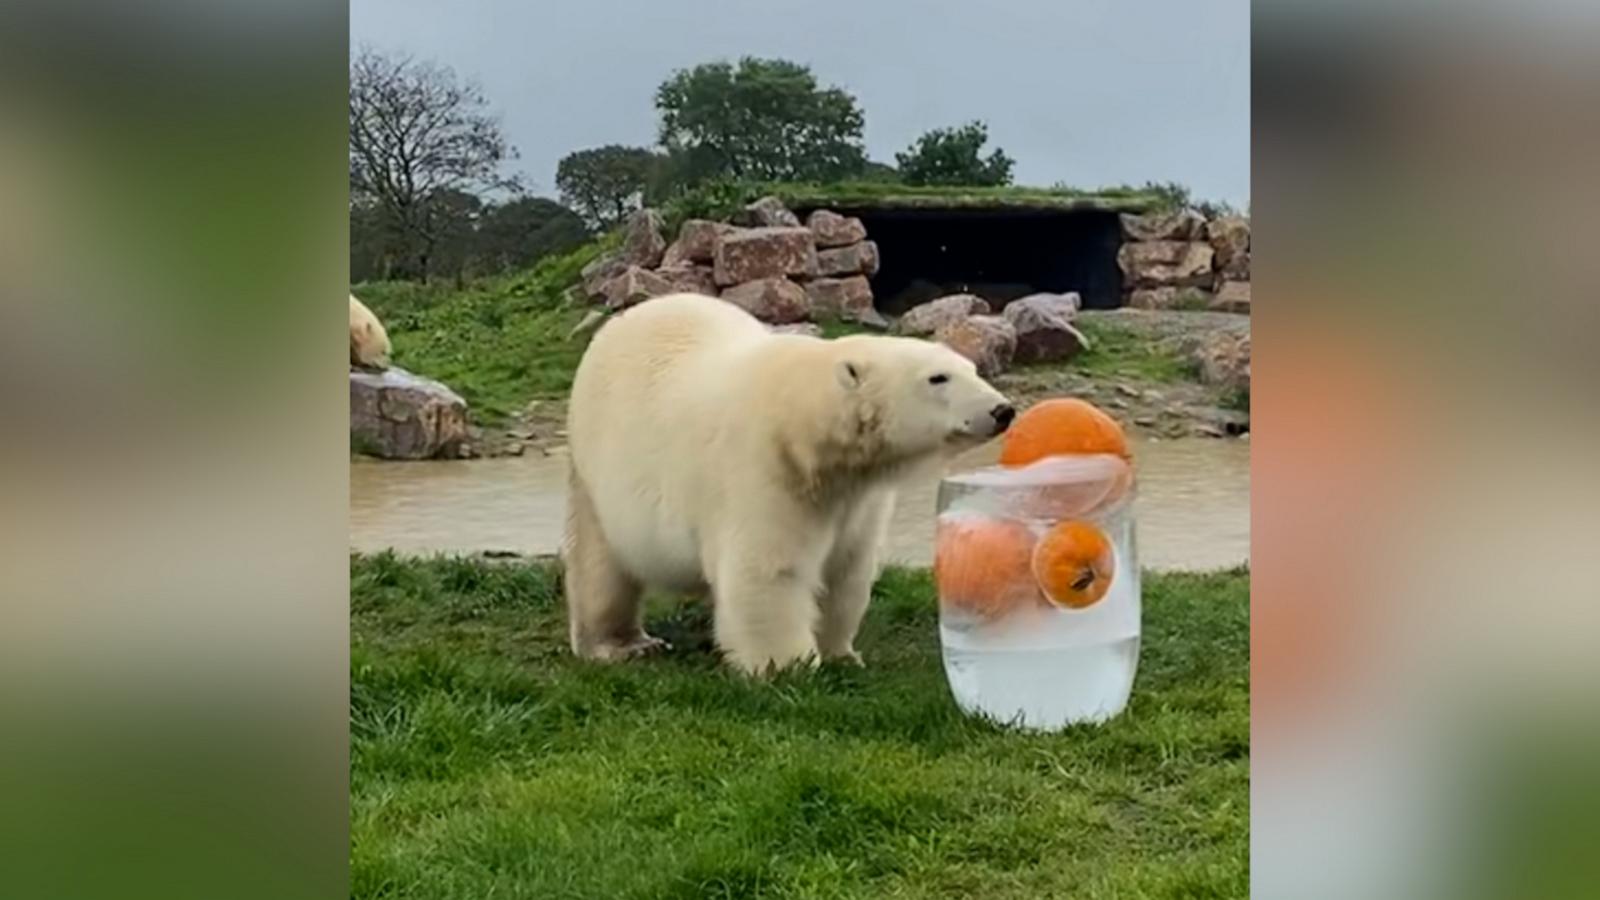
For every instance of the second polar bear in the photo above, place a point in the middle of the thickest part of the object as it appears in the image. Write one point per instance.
(709, 453)
(369, 342)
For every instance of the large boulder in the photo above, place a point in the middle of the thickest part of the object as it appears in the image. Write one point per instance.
(1166, 263)
(1223, 359)
(1043, 324)
(636, 285)
(397, 415)
(989, 341)
(696, 243)
(928, 318)
(1068, 304)
(1180, 225)
(842, 298)
(1234, 297)
(1229, 237)
(750, 254)
(768, 212)
(858, 258)
(776, 301)
(598, 273)
(834, 230)
(642, 243)
(690, 279)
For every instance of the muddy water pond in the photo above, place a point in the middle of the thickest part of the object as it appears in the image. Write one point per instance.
(1193, 505)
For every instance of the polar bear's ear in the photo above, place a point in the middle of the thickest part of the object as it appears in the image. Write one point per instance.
(849, 374)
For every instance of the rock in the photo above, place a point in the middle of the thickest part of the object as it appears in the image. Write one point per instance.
(1044, 331)
(1145, 422)
(1230, 422)
(642, 243)
(597, 273)
(1153, 298)
(858, 258)
(1189, 298)
(833, 230)
(1223, 360)
(1067, 304)
(690, 279)
(873, 319)
(749, 254)
(1166, 263)
(843, 298)
(1128, 390)
(590, 322)
(516, 448)
(802, 328)
(1229, 237)
(1182, 225)
(1234, 297)
(696, 243)
(776, 301)
(397, 415)
(636, 285)
(1237, 269)
(768, 212)
(989, 341)
(929, 317)
(1208, 431)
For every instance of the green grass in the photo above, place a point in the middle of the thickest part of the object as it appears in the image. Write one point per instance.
(1119, 352)
(486, 761)
(499, 342)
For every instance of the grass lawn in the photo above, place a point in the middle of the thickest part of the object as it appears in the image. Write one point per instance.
(487, 762)
(1116, 351)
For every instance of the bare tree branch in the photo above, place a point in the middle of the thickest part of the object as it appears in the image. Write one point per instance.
(418, 133)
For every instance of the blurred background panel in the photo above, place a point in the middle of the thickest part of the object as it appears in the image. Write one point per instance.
(173, 653)
(1426, 498)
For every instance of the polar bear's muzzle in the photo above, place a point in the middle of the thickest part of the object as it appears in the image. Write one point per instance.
(990, 424)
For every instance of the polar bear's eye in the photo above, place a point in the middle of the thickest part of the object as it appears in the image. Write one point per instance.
(938, 379)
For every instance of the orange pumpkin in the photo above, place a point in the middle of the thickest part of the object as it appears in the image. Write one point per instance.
(1064, 425)
(983, 565)
(1074, 564)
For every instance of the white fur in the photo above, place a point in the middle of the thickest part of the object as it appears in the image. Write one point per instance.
(369, 342)
(710, 453)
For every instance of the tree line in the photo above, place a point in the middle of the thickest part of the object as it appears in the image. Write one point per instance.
(428, 197)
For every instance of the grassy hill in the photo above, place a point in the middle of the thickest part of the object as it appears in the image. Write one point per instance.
(499, 342)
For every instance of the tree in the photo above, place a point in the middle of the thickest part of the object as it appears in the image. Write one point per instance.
(951, 156)
(604, 184)
(416, 133)
(766, 119)
(519, 232)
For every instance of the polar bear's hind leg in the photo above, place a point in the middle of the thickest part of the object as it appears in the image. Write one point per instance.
(605, 609)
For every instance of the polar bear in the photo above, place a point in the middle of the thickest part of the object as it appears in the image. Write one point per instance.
(369, 342)
(710, 454)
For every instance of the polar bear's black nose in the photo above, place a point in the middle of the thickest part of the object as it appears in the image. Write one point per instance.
(1003, 414)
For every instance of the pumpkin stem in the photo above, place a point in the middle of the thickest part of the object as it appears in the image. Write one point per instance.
(1085, 579)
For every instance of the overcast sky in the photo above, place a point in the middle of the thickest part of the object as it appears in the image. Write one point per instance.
(1089, 92)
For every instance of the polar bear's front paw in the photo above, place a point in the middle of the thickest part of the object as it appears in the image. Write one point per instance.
(847, 655)
(642, 645)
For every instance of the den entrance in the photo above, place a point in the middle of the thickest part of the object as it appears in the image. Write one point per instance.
(998, 254)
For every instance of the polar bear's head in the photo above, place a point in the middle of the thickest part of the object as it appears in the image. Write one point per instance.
(920, 397)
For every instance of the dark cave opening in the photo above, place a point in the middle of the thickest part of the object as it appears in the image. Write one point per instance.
(998, 254)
